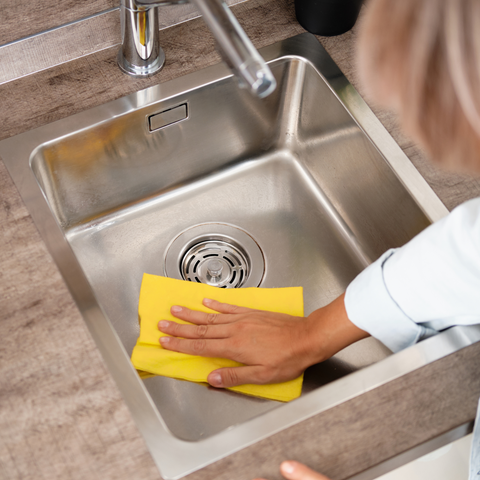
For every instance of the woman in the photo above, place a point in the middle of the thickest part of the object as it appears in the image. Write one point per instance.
(420, 58)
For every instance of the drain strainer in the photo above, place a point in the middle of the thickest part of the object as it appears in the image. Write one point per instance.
(217, 254)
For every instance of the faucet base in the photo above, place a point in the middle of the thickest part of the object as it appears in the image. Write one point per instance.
(141, 71)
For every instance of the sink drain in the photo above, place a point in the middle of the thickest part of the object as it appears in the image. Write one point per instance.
(216, 254)
(216, 262)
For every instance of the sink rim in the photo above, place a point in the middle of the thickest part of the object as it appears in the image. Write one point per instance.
(163, 446)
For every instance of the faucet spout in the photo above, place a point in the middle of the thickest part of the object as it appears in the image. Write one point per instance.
(141, 54)
(236, 48)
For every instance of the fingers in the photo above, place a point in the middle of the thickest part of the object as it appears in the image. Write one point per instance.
(199, 318)
(193, 331)
(209, 346)
(203, 318)
(225, 307)
(200, 346)
(296, 471)
(232, 377)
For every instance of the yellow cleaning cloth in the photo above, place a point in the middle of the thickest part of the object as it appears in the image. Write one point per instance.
(158, 294)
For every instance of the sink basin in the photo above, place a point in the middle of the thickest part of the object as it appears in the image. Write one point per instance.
(304, 188)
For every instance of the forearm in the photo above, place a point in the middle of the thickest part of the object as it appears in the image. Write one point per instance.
(429, 284)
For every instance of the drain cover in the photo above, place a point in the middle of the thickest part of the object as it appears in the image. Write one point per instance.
(216, 263)
(216, 254)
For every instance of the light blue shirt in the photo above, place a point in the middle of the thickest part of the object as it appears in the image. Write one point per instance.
(429, 284)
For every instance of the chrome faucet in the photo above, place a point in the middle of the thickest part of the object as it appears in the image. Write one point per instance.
(142, 56)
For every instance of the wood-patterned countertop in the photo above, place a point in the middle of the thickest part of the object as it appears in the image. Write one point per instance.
(61, 414)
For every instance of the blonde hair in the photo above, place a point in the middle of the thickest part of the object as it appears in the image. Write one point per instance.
(422, 58)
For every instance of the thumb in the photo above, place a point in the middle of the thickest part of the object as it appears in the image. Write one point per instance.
(232, 377)
(296, 471)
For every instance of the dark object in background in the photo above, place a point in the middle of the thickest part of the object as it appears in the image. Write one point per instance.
(327, 17)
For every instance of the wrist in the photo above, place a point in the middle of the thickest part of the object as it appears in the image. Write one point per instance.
(330, 330)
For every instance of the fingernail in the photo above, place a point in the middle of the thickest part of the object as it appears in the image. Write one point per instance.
(163, 324)
(176, 309)
(215, 379)
(164, 340)
(207, 301)
(287, 467)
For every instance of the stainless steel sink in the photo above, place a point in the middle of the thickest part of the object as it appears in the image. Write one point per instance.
(306, 185)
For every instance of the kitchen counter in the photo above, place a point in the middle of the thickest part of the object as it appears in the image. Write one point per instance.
(61, 414)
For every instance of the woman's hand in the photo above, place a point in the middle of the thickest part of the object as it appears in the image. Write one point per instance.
(273, 347)
(296, 471)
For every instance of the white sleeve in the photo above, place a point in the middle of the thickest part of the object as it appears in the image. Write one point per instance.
(429, 284)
